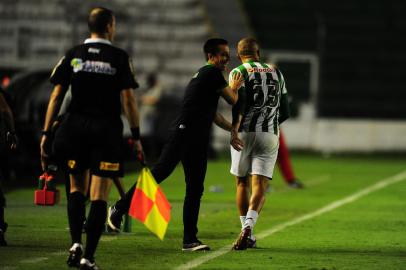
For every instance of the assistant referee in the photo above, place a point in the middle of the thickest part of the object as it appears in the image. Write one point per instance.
(89, 138)
(189, 138)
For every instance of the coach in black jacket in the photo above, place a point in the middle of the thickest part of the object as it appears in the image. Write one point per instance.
(189, 138)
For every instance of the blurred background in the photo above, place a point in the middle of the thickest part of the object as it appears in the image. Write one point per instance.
(342, 61)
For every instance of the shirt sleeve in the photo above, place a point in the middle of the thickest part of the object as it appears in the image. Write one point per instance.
(284, 111)
(127, 75)
(62, 72)
(282, 82)
(216, 79)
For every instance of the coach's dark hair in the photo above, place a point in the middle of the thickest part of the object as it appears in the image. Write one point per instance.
(98, 20)
(212, 46)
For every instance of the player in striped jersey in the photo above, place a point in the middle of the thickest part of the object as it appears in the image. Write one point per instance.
(261, 108)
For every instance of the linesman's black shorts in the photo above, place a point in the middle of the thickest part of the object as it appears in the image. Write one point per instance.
(93, 143)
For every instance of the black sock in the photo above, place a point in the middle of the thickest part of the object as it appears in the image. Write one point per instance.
(76, 214)
(95, 226)
(123, 205)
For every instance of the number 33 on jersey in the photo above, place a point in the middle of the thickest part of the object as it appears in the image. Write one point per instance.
(262, 97)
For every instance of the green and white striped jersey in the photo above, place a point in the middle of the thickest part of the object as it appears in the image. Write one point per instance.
(259, 97)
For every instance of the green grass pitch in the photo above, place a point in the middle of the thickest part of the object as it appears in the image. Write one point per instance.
(368, 233)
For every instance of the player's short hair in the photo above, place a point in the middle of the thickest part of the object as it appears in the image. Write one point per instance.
(98, 20)
(248, 46)
(212, 46)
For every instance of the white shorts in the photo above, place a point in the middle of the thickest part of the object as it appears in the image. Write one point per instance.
(258, 156)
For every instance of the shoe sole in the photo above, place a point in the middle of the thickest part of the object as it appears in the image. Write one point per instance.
(242, 241)
(110, 224)
(197, 248)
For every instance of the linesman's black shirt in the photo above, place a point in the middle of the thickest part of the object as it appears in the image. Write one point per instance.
(201, 98)
(96, 72)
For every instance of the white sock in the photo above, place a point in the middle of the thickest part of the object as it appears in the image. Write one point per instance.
(242, 219)
(251, 219)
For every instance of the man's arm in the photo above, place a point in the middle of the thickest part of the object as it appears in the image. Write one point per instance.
(54, 105)
(7, 115)
(221, 122)
(230, 92)
(284, 112)
(235, 141)
(130, 108)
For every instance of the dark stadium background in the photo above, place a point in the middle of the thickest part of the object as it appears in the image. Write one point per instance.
(359, 46)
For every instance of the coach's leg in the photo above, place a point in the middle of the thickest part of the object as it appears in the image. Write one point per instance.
(99, 192)
(79, 185)
(194, 166)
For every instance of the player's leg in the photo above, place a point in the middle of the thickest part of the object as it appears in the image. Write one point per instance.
(99, 192)
(194, 165)
(242, 196)
(263, 157)
(79, 185)
(285, 165)
(242, 199)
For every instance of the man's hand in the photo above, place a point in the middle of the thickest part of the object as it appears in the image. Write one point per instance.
(137, 146)
(140, 151)
(236, 81)
(44, 154)
(236, 142)
(12, 140)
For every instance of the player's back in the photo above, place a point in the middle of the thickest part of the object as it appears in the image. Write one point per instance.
(95, 71)
(260, 95)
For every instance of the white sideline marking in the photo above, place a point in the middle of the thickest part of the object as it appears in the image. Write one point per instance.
(34, 260)
(108, 239)
(379, 185)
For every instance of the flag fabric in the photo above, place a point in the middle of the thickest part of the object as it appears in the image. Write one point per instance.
(149, 204)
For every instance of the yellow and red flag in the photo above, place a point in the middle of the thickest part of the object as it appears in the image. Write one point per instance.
(149, 204)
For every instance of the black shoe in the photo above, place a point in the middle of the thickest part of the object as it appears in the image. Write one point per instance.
(75, 253)
(86, 264)
(242, 241)
(295, 183)
(114, 219)
(3, 230)
(195, 246)
(251, 242)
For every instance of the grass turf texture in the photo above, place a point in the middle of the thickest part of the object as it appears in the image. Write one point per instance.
(366, 234)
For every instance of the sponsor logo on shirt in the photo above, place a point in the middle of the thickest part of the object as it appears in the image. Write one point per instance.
(256, 69)
(92, 66)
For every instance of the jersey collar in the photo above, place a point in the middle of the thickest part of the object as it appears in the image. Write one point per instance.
(98, 40)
